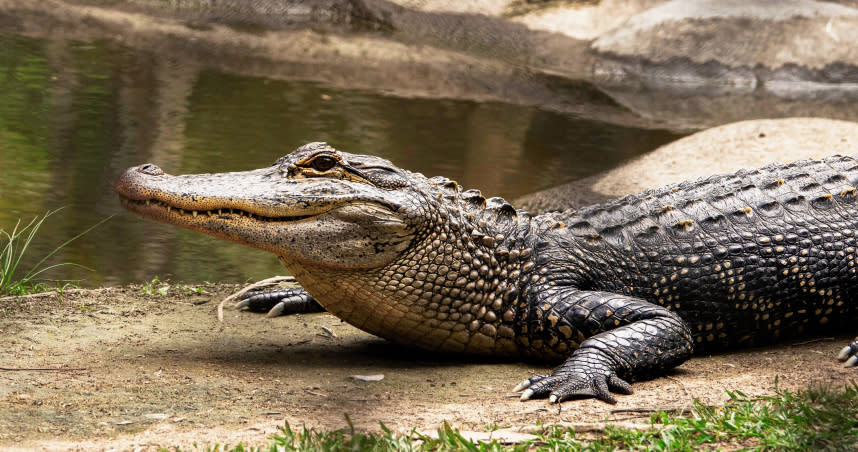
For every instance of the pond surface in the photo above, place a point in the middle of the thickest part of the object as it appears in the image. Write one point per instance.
(74, 115)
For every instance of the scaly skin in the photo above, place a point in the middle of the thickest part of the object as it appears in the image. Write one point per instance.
(620, 291)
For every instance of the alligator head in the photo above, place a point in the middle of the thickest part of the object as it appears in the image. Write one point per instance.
(404, 257)
(317, 206)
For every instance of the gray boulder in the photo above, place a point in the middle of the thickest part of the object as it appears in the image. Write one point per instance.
(723, 149)
(780, 46)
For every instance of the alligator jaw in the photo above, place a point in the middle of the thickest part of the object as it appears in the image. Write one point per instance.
(163, 211)
(204, 203)
(324, 221)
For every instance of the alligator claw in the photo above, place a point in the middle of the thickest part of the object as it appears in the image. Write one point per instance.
(564, 384)
(521, 386)
(526, 383)
(849, 354)
(524, 387)
(277, 302)
(277, 310)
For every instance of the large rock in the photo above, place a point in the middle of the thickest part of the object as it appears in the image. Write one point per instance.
(255, 16)
(722, 149)
(782, 46)
(582, 20)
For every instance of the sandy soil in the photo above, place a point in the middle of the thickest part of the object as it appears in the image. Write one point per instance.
(116, 369)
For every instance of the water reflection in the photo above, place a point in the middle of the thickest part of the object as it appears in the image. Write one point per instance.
(73, 115)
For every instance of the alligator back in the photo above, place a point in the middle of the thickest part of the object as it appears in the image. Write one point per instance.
(744, 258)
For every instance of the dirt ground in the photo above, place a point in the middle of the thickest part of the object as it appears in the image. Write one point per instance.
(117, 369)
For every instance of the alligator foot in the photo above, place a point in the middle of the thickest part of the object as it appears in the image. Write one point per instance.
(639, 339)
(850, 354)
(567, 382)
(277, 302)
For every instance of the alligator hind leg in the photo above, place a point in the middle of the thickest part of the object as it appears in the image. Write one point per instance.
(277, 302)
(627, 338)
(850, 354)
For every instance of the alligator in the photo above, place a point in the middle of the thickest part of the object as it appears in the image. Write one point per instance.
(616, 292)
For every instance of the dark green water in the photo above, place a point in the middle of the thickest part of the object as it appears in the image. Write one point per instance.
(74, 115)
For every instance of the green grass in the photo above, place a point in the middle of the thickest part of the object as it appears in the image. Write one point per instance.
(157, 286)
(813, 419)
(818, 419)
(15, 245)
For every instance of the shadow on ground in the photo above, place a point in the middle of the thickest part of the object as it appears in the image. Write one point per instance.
(118, 368)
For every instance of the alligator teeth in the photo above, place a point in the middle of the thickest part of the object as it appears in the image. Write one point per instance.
(196, 213)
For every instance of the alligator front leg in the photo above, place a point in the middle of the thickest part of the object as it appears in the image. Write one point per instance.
(277, 302)
(627, 338)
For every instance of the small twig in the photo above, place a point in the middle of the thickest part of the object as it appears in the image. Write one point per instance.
(53, 292)
(591, 427)
(40, 369)
(671, 410)
(594, 427)
(819, 339)
(681, 386)
(264, 283)
(635, 410)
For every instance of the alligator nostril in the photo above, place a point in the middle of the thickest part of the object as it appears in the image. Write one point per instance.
(150, 169)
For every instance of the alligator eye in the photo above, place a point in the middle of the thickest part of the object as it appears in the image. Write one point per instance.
(323, 163)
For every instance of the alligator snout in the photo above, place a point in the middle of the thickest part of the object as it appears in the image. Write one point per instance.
(133, 182)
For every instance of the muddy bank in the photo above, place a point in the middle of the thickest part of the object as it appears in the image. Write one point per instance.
(116, 368)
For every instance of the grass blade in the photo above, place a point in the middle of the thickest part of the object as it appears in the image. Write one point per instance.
(31, 273)
(15, 246)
